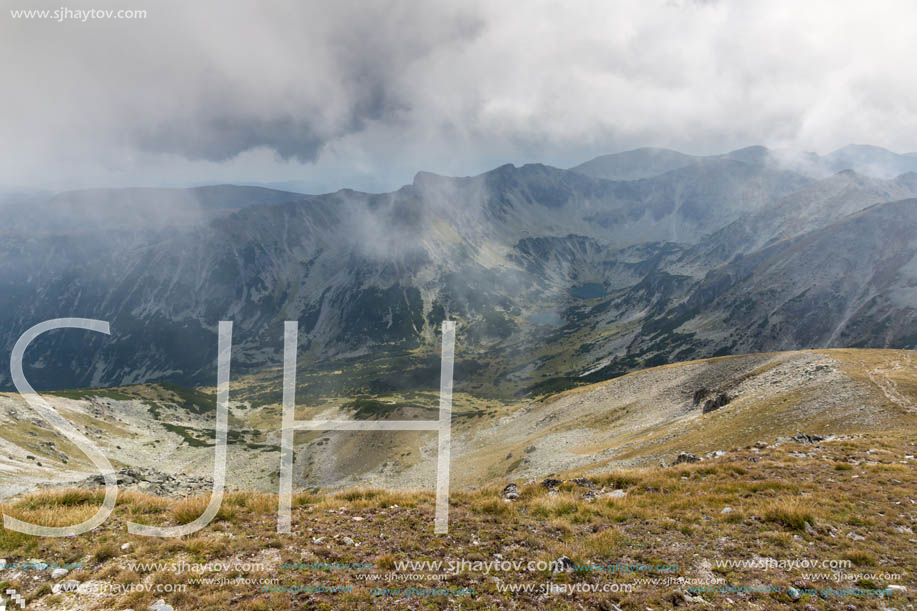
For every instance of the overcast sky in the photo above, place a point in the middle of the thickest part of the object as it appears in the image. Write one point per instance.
(364, 94)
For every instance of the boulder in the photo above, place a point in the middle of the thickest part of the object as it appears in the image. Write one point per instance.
(585, 483)
(686, 457)
(716, 403)
(511, 492)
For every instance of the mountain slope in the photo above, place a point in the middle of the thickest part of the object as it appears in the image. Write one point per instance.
(634, 420)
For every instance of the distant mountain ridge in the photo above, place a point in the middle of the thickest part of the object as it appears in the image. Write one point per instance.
(648, 162)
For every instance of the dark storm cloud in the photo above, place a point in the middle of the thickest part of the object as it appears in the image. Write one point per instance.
(363, 94)
(342, 70)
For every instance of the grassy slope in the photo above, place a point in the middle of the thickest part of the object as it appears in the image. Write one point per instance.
(670, 515)
(861, 483)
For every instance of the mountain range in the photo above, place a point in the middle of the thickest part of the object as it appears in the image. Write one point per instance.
(556, 277)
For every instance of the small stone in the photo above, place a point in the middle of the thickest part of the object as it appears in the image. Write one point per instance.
(125, 547)
(727, 510)
(563, 565)
(318, 539)
(357, 519)
(71, 585)
(693, 599)
(855, 537)
(793, 593)
(511, 492)
(896, 589)
(616, 494)
(809, 529)
(348, 541)
(58, 573)
(550, 483)
(160, 605)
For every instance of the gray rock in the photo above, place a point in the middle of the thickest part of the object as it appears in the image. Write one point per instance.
(550, 483)
(855, 537)
(511, 492)
(803, 438)
(71, 585)
(583, 482)
(160, 605)
(716, 403)
(152, 481)
(793, 593)
(686, 457)
(58, 573)
(563, 565)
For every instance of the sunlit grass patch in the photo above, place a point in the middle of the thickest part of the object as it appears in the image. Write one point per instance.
(790, 512)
